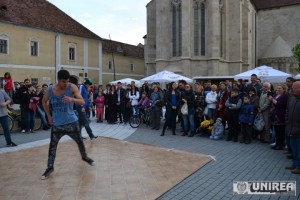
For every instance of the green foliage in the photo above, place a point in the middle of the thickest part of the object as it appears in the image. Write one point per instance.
(296, 54)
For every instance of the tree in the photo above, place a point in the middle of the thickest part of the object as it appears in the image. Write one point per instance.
(296, 54)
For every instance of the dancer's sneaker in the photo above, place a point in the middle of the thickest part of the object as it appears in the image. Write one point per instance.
(94, 137)
(47, 173)
(89, 161)
(12, 144)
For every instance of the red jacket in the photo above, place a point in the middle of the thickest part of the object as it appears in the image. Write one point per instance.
(9, 83)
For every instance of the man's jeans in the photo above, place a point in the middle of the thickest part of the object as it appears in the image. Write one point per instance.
(58, 132)
(295, 146)
(4, 124)
(189, 120)
(30, 120)
(83, 121)
(42, 115)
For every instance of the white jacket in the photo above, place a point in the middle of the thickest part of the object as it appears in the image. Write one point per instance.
(211, 100)
(134, 98)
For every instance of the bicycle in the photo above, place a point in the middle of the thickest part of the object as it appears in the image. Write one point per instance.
(15, 122)
(142, 115)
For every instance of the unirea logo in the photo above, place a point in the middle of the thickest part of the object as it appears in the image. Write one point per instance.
(264, 187)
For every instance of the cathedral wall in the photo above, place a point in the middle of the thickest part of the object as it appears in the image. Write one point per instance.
(283, 22)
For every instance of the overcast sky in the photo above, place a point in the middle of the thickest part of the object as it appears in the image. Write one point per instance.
(124, 20)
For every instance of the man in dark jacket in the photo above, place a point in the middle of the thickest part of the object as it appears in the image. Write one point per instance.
(119, 98)
(19, 99)
(293, 127)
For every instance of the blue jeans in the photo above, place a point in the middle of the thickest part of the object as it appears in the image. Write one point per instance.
(4, 124)
(188, 120)
(30, 115)
(42, 115)
(83, 121)
(211, 113)
(295, 146)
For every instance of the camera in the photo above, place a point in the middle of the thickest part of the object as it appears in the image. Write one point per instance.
(270, 93)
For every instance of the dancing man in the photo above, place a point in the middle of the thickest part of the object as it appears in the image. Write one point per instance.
(63, 119)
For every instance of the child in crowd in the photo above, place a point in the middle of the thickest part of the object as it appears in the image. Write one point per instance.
(218, 131)
(206, 126)
(99, 101)
(143, 103)
(246, 117)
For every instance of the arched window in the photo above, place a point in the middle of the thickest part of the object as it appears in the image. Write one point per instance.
(222, 30)
(196, 28)
(176, 27)
(203, 19)
(4, 44)
(199, 27)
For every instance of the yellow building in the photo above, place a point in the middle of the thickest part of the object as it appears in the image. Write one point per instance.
(37, 39)
(122, 61)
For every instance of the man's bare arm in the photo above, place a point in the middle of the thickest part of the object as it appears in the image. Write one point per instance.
(78, 100)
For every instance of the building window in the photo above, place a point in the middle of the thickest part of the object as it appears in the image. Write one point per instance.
(203, 19)
(3, 46)
(176, 27)
(34, 48)
(109, 65)
(196, 28)
(199, 27)
(131, 67)
(71, 53)
(222, 29)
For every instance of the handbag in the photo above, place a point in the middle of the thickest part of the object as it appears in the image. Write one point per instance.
(184, 109)
(128, 104)
(259, 122)
(160, 103)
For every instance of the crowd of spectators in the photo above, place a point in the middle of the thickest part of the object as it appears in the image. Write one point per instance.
(229, 107)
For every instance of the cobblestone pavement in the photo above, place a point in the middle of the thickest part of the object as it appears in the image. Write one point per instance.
(233, 161)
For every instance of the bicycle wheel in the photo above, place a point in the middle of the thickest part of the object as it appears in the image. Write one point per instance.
(10, 122)
(135, 121)
(37, 123)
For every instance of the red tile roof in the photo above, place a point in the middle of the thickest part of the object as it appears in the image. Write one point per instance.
(43, 15)
(122, 48)
(266, 4)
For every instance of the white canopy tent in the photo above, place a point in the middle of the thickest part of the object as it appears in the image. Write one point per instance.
(265, 73)
(165, 77)
(127, 81)
(297, 76)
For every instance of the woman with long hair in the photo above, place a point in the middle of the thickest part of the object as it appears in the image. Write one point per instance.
(172, 104)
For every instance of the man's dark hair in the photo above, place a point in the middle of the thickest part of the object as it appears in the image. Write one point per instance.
(44, 85)
(290, 79)
(254, 75)
(26, 79)
(247, 96)
(63, 74)
(182, 81)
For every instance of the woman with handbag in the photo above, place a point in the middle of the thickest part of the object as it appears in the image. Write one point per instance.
(188, 119)
(172, 104)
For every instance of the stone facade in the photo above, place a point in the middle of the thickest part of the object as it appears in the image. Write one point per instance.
(236, 35)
